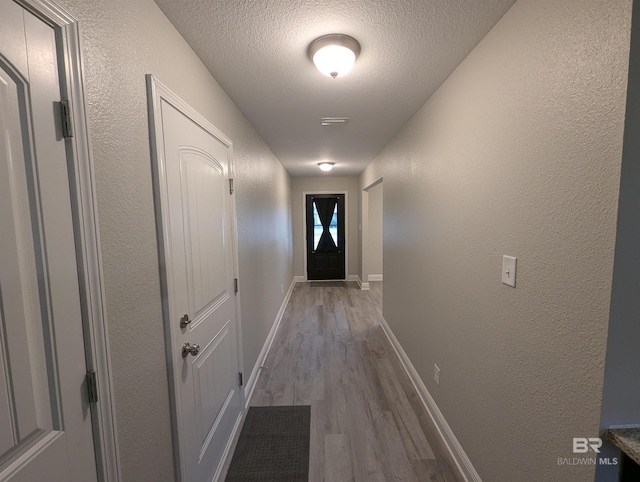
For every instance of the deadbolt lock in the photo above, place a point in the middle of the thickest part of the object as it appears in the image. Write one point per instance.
(184, 321)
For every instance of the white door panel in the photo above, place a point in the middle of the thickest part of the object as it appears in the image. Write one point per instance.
(19, 293)
(12, 36)
(203, 191)
(195, 211)
(45, 427)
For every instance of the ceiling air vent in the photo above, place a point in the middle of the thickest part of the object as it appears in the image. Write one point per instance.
(334, 121)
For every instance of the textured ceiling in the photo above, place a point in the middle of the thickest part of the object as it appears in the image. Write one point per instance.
(257, 51)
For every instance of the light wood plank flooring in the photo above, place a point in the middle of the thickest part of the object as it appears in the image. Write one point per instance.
(367, 421)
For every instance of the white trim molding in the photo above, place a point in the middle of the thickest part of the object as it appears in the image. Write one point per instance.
(364, 275)
(363, 286)
(463, 463)
(255, 373)
(375, 277)
(88, 252)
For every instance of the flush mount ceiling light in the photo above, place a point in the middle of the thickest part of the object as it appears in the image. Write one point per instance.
(326, 166)
(334, 54)
(333, 121)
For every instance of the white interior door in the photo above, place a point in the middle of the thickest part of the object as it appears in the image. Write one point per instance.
(45, 425)
(196, 217)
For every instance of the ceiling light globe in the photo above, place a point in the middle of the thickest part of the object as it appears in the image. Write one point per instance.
(334, 54)
(325, 166)
(334, 60)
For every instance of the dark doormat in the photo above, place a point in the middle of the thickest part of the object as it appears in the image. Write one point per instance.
(328, 284)
(273, 446)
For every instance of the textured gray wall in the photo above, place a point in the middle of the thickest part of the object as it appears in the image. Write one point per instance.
(318, 184)
(519, 152)
(123, 41)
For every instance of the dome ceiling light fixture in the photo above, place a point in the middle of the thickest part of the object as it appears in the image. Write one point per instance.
(326, 166)
(334, 54)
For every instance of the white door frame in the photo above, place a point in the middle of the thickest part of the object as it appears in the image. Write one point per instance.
(346, 229)
(364, 235)
(157, 92)
(84, 208)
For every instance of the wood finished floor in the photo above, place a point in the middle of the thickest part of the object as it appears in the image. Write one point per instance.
(367, 421)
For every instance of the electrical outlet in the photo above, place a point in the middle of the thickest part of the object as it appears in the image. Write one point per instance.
(436, 374)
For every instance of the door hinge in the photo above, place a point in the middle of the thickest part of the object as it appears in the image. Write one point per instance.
(240, 379)
(230, 186)
(67, 119)
(235, 285)
(92, 386)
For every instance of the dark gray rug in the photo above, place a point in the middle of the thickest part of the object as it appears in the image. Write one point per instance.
(328, 284)
(273, 446)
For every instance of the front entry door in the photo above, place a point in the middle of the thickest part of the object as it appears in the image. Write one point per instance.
(325, 237)
(195, 208)
(45, 422)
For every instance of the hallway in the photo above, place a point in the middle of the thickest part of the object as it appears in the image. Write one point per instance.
(367, 420)
(523, 145)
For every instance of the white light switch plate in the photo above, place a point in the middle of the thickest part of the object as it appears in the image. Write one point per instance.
(509, 271)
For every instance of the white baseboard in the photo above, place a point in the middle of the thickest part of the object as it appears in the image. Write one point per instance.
(363, 286)
(375, 277)
(461, 459)
(253, 378)
(299, 279)
(353, 277)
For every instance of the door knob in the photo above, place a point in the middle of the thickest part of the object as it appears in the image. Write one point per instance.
(189, 348)
(184, 320)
